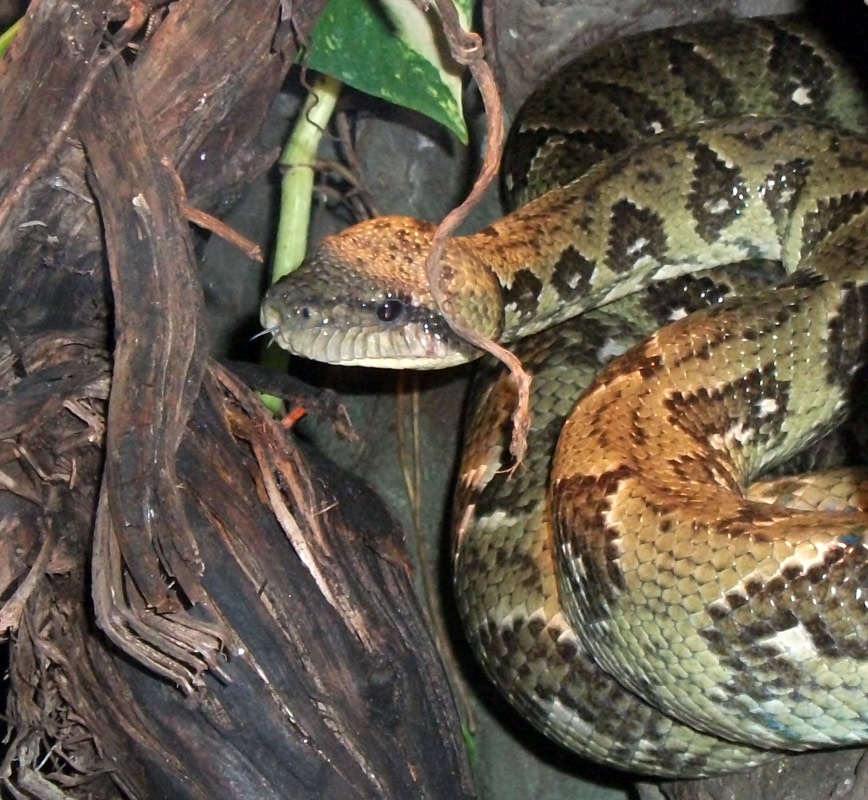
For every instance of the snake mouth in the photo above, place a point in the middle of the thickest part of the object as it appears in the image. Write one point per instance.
(423, 341)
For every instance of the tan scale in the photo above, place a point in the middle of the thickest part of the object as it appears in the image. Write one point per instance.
(630, 598)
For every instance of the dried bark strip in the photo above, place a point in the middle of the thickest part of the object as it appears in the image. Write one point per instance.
(158, 366)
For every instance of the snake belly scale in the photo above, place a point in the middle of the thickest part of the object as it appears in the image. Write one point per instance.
(624, 590)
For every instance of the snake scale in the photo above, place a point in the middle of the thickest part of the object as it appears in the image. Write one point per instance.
(623, 589)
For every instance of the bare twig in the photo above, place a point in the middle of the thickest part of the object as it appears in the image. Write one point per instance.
(209, 222)
(10, 614)
(466, 48)
(489, 34)
(354, 195)
(345, 137)
(221, 229)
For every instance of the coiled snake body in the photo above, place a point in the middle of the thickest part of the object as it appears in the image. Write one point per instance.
(628, 595)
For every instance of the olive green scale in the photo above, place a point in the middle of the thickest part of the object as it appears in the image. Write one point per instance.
(622, 588)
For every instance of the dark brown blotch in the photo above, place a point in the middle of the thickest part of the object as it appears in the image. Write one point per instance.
(848, 336)
(703, 82)
(831, 214)
(634, 233)
(795, 64)
(581, 504)
(523, 293)
(639, 110)
(717, 192)
(783, 186)
(756, 401)
(572, 274)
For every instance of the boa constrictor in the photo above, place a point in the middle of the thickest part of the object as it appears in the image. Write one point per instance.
(627, 594)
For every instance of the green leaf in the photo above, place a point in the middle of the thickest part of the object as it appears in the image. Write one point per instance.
(394, 51)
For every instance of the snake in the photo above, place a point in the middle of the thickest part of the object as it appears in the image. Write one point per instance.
(683, 273)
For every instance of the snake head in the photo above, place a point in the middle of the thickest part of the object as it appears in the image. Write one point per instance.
(361, 298)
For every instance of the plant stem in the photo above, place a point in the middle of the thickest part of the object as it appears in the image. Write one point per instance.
(298, 159)
(7, 36)
(296, 191)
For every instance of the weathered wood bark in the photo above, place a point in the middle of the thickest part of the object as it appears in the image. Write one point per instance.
(197, 612)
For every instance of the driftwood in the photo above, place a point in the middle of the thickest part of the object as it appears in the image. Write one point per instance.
(196, 608)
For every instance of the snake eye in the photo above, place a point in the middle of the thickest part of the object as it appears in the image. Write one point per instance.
(390, 310)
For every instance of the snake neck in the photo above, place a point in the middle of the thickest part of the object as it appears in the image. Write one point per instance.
(734, 191)
(689, 200)
(534, 257)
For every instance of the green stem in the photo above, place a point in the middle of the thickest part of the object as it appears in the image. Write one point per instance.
(7, 36)
(296, 191)
(298, 159)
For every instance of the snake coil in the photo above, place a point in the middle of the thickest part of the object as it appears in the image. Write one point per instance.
(624, 590)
